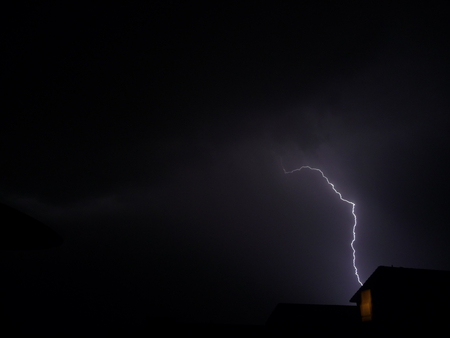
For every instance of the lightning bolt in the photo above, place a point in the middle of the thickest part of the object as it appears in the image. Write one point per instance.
(352, 244)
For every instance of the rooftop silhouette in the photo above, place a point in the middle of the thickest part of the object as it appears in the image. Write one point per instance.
(22, 232)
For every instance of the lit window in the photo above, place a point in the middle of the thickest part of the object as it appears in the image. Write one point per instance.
(366, 305)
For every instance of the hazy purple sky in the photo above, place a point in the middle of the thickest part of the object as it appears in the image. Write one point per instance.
(151, 139)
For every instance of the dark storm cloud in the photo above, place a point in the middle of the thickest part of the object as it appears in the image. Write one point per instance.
(96, 96)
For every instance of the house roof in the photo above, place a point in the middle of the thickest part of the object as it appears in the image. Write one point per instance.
(286, 314)
(22, 232)
(385, 277)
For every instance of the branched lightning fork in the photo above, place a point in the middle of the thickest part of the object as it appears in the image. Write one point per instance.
(342, 199)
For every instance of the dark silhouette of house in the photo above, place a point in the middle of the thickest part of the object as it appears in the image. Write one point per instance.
(312, 320)
(399, 301)
(22, 232)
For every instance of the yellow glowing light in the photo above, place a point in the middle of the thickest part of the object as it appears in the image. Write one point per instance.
(366, 305)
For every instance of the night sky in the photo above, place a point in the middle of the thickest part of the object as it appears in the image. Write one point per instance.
(153, 138)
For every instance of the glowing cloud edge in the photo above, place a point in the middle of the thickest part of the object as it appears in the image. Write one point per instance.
(342, 199)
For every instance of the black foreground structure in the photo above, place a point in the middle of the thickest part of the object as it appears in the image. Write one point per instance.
(312, 320)
(400, 301)
(22, 232)
(393, 302)
(18, 232)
